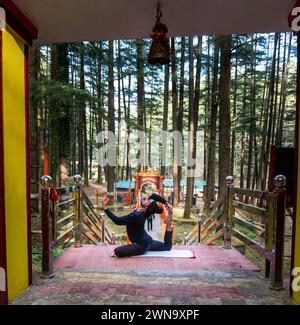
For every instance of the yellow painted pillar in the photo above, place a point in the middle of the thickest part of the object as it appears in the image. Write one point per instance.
(15, 166)
(15, 226)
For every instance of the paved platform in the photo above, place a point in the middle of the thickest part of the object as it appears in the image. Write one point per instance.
(89, 276)
(154, 288)
(98, 258)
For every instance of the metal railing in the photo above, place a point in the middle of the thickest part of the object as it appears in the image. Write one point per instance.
(68, 215)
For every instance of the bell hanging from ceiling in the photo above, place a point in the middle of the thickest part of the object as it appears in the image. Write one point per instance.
(160, 49)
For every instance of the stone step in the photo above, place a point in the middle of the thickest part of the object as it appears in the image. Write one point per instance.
(163, 288)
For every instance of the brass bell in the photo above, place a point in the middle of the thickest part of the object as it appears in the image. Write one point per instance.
(159, 52)
(160, 49)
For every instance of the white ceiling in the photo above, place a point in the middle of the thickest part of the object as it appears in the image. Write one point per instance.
(87, 20)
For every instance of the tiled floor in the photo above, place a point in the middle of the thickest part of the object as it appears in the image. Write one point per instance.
(98, 258)
(89, 275)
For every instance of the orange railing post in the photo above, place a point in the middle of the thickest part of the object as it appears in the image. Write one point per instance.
(97, 198)
(46, 160)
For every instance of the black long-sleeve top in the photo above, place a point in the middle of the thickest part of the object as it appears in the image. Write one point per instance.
(135, 226)
(135, 223)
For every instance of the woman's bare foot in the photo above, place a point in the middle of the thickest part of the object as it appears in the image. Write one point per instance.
(168, 221)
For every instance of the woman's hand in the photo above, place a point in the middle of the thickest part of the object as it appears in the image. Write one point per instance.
(105, 201)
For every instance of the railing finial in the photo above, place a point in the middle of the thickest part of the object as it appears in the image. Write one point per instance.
(77, 179)
(229, 180)
(280, 181)
(46, 181)
(113, 238)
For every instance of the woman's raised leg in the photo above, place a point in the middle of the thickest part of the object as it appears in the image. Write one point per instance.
(131, 250)
(166, 245)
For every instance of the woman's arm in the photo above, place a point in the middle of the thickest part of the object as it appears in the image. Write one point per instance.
(120, 221)
(157, 198)
(162, 200)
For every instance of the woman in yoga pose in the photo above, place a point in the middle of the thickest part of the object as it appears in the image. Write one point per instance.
(141, 242)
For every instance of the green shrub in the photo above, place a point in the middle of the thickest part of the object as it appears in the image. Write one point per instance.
(246, 232)
(37, 254)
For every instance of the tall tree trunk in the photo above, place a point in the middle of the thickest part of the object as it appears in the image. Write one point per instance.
(197, 103)
(119, 113)
(252, 112)
(212, 134)
(197, 91)
(266, 88)
(206, 110)
(277, 81)
(54, 122)
(270, 106)
(242, 176)
(224, 115)
(285, 74)
(99, 125)
(111, 175)
(83, 127)
(233, 136)
(181, 104)
(165, 120)
(35, 127)
(127, 118)
(149, 133)
(263, 121)
(244, 135)
(254, 126)
(62, 77)
(190, 164)
(175, 124)
(127, 114)
(74, 123)
(140, 95)
(91, 136)
(128, 162)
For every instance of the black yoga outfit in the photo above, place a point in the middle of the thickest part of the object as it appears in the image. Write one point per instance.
(135, 226)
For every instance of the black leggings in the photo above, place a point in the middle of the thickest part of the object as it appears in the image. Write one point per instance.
(138, 249)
